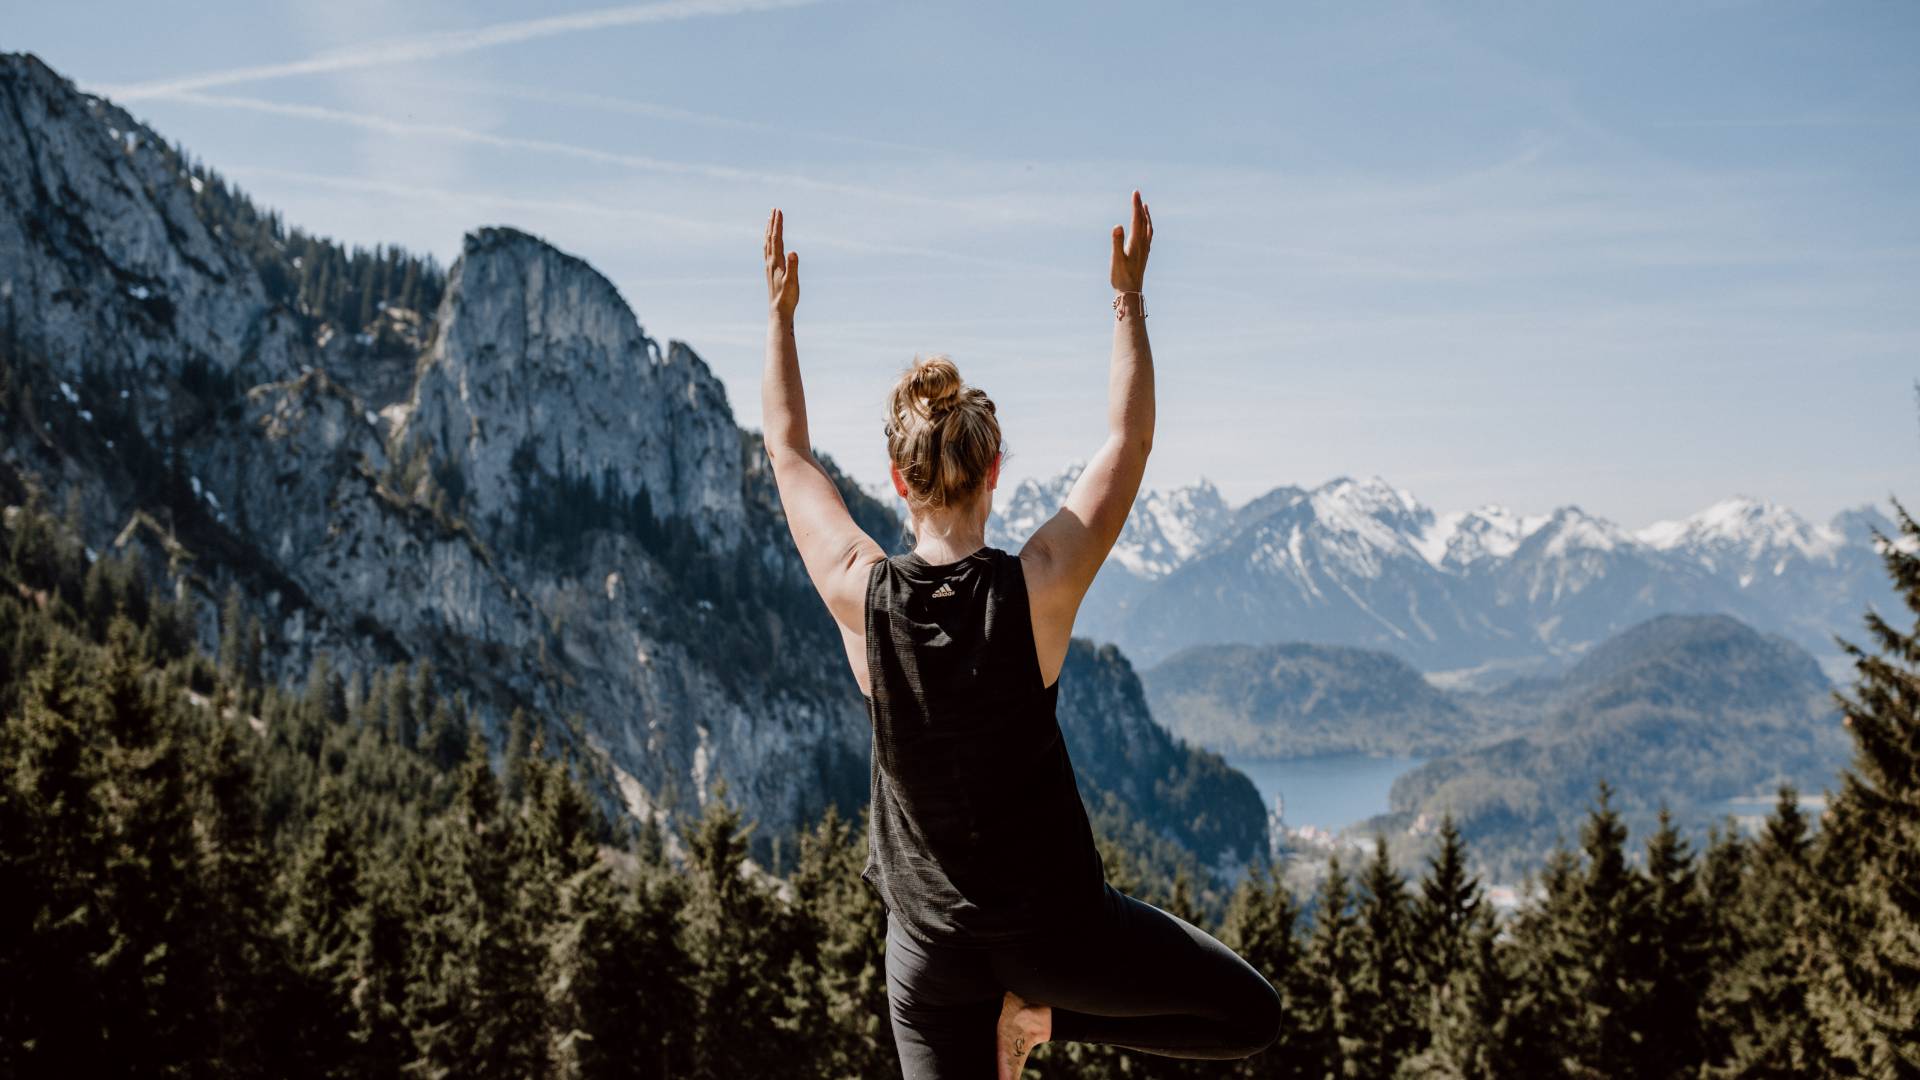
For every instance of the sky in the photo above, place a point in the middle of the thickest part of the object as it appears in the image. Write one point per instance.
(1632, 257)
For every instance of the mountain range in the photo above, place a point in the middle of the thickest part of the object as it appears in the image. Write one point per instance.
(1680, 712)
(1469, 597)
(494, 469)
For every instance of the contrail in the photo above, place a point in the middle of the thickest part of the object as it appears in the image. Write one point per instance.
(394, 51)
(644, 162)
(727, 230)
(606, 103)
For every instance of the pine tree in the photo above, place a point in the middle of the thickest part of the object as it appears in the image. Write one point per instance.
(1865, 987)
(243, 964)
(837, 1001)
(1333, 1041)
(324, 891)
(1458, 979)
(156, 1009)
(1261, 925)
(53, 852)
(1668, 1015)
(740, 961)
(1382, 997)
(1758, 997)
(1585, 961)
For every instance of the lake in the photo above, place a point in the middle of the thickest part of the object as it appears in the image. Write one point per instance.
(1331, 791)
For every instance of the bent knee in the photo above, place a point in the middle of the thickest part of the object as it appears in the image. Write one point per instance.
(1257, 1025)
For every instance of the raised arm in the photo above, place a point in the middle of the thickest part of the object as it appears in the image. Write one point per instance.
(1063, 555)
(837, 553)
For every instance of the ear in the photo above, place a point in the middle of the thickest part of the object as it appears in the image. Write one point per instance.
(993, 474)
(899, 482)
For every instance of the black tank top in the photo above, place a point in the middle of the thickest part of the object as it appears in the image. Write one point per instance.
(978, 835)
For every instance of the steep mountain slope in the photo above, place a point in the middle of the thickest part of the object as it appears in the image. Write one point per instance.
(1132, 768)
(1299, 700)
(1684, 711)
(519, 485)
(1485, 594)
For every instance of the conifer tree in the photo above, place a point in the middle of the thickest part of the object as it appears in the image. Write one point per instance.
(837, 1001)
(1381, 988)
(155, 1007)
(739, 959)
(1677, 944)
(1864, 989)
(479, 1011)
(323, 893)
(53, 852)
(1760, 1025)
(1333, 1041)
(1458, 981)
(235, 875)
(1585, 963)
(1261, 925)
(388, 967)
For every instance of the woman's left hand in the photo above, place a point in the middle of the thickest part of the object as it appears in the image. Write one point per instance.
(1129, 263)
(783, 269)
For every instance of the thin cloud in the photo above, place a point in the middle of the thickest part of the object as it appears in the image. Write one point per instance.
(747, 234)
(446, 196)
(648, 163)
(431, 46)
(630, 107)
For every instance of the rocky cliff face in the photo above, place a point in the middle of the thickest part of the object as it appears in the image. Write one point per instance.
(517, 485)
(541, 370)
(367, 501)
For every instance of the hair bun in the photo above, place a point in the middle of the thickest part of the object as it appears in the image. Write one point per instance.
(941, 433)
(935, 384)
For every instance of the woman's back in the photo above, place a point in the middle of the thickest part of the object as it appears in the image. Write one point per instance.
(1001, 928)
(978, 833)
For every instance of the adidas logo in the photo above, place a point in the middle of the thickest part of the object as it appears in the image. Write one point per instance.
(944, 590)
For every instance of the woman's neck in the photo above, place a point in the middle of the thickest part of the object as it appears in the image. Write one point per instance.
(949, 536)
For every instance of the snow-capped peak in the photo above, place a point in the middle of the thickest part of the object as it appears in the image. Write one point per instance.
(1165, 529)
(1746, 537)
(1754, 526)
(1460, 538)
(1570, 529)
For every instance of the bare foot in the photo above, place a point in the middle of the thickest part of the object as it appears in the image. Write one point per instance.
(1023, 1026)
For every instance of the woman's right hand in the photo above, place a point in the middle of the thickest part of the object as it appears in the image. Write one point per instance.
(783, 269)
(1130, 253)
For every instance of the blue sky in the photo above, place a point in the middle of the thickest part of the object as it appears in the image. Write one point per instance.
(1634, 257)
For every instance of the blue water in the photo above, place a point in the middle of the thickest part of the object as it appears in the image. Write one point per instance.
(1332, 792)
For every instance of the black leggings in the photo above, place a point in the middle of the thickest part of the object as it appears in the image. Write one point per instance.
(1134, 976)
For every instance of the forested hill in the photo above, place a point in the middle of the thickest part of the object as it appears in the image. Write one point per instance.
(1680, 712)
(1299, 699)
(210, 875)
(493, 469)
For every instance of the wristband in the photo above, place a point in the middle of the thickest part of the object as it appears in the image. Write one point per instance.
(1120, 307)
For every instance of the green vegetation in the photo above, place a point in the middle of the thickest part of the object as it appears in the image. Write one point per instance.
(1300, 700)
(1679, 712)
(312, 275)
(212, 876)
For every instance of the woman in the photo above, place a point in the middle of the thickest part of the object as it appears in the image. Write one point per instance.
(1002, 932)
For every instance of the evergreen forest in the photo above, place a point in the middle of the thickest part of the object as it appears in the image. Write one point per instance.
(206, 874)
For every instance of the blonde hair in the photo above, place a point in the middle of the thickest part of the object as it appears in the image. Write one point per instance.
(941, 433)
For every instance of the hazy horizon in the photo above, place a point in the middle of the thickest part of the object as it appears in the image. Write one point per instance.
(1637, 259)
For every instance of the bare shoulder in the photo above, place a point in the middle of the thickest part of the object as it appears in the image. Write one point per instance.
(1040, 567)
(845, 588)
(846, 598)
(1052, 602)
